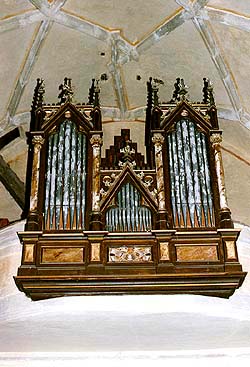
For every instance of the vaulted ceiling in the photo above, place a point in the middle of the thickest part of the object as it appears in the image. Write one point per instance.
(129, 41)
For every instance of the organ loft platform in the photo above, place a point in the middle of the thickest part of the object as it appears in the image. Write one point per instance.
(119, 221)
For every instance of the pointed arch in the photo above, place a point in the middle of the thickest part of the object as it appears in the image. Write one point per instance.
(184, 109)
(128, 212)
(128, 205)
(68, 110)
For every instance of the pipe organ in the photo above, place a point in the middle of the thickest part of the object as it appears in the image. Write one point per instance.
(118, 222)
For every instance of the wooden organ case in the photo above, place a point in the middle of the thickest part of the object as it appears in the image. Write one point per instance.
(125, 223)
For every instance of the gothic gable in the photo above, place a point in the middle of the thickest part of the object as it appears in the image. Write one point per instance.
(185, 110)
(138, 180)
(67, 111)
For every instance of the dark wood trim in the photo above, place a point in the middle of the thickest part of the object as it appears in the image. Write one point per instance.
(216, 284)
(9, 137)
(12, 183)
(80, 118)
(127, 175)
(175, 115)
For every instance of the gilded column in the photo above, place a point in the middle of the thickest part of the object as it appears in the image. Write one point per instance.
(225, 214)
(37, 142)
(33, 216)
(96, 142)
(158, 140)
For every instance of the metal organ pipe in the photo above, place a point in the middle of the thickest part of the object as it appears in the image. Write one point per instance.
(190, 185)
(65, 187)
(128, 215)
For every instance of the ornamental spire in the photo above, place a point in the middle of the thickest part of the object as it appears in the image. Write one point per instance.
(66, 92)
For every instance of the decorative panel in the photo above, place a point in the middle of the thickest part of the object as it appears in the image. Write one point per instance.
(65, 197)
(231, 253)
(129, 254)
(95, 252)
(28, 253)
(164, 251)
(197, 253)
(128, 214)
(62, 255)
(191, 193)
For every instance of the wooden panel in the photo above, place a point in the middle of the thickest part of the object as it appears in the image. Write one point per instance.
(231, 252)
(95, 252)
(62, 255)
(197, 253)
(130, 263)
(28, 253)
(164, 251)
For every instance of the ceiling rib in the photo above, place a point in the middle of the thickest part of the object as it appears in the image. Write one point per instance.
(20, 20)
(223, 70)
(242, 23)
(229, 18)
(45, 7)
(20, 119)
(127, 52)
(26, 69)
(164, 29)
(81, 25)
(168, 26)
(197, 14)
(32, 54)
(12, 183)
(115, 71)
(56, 5)
(62, 17)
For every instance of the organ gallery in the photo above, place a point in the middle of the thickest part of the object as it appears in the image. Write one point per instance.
(121, 220)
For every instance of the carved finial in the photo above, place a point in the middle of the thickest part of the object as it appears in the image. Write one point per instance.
(66, 92)
(177, 87)
(216, 138)
(208, 95)
(180, 90)
(155, 95)
(148, 120)
(183, 90)
(96, 94)
(205, 90)
(149, 94)
(127, 154)
(155, 89)
(38, 94)
(91, 92)
(41, 91)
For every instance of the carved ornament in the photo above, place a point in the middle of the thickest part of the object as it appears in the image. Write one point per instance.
(96, 140)
(38, 140)
(158, 139)
(130, 254)
(67, 114)
(184, 113)
(107, 181)
(216, 138)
